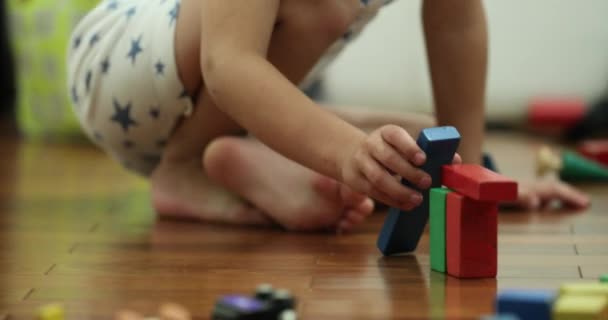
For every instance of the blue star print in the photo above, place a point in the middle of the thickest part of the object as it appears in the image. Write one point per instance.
(122, 115)
(87, 80)
(77, 42)
(105, 65)
(75, 97)
(113, 5)
(135, 49)
(131, 12)
(173, 14)
(94, 39)
(160, 68)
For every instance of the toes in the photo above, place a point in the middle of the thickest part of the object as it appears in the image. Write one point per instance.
(366, 207)
(327, 187)
(351, 219)
(355, 217)
(350, 197)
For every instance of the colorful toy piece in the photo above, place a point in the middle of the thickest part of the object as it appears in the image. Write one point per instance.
(527, 305)
(506, 316)
(555, 113)
(604, 278)
(53, 311)
(585, 288)
(266, 304)
(595, 149)
(402, 230)
(479, 183)
(580, 307)
(472, 228)
(570, 166)
(437, 227)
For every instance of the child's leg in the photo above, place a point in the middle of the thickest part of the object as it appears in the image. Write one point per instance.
(290, 194)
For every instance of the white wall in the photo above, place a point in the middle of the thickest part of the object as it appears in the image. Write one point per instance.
(536, 47)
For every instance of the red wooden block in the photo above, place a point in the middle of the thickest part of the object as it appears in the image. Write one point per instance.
(560, 113)
(471, 237)
(479, 183)
(596, 150)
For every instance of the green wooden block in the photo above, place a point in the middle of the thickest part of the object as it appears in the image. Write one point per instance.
(604, 278)
(580, 307)
(437, 225)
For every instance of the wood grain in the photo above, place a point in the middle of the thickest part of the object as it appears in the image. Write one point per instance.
(76, 229)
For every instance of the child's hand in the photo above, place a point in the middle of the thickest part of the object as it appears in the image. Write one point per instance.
(537, 194)
(373, 165)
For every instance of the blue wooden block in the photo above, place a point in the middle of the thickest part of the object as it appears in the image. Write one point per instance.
(402, 230)
(506, 316)
(526, 304)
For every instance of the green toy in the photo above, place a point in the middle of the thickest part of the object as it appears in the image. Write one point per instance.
(40, 31)
(604, 278)
(437, 219)
(571, 166)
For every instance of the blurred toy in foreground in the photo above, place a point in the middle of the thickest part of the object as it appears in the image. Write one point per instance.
(579, 300)
(51, 312)
(570, 166)
(266, 304)
(167, 311)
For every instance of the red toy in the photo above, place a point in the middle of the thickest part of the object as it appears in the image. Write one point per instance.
(595, 149)
(479, 183)
(471, 238)
(556, 113)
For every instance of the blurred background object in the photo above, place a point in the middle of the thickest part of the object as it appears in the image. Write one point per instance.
(40, 31)
(541, 48)
(7, 75)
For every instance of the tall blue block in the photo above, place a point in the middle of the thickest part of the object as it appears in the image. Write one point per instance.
(527, 305)
(402, 229)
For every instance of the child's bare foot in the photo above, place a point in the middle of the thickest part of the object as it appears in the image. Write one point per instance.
(294, 196)
(183, 191)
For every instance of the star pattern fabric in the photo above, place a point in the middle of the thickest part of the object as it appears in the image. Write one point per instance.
(136, 49)
(129, 96)
(122, 115)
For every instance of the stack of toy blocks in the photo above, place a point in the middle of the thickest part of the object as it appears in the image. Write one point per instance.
(463, 215)
(464, 220)
(573, 301)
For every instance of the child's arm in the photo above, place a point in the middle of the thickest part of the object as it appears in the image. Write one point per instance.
(456, 37)
(456, 40)
(234, 42)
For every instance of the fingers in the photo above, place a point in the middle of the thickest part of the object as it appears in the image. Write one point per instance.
(540, 193)
(384, 187)
(527, 200)
(568, 195)
(399, 139)
(457, 159)
(393, 161)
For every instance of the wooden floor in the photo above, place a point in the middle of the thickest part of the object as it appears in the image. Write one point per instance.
(75, 228)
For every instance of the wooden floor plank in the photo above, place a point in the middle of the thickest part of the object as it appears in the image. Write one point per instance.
(98, 247)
